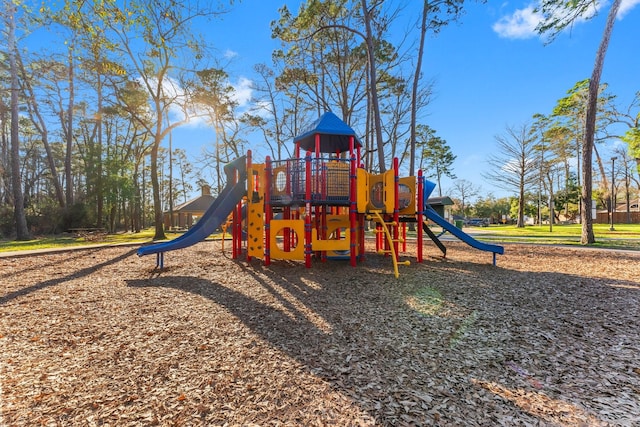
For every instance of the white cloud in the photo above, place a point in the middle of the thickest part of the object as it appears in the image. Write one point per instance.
(626, 6)
(262, 109)
(181, 105)
(228, 54)
(521, 24)
(243, 91)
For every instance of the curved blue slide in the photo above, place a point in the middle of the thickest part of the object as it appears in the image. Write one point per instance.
(217, 214)
(430, 213)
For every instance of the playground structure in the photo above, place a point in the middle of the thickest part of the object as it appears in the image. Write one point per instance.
(316, 206)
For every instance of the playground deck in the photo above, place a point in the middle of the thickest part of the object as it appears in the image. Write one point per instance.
(98, 337)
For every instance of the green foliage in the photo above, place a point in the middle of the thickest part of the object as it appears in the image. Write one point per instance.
(558, 15)
(436, 157)
(492, 208)
(324, 58)
(566, 199)
(570, 111)
(441, 13)
(575, 102)
(514, 207)
(632, 138)
(601, 197)
(7, 222)
(50, 218)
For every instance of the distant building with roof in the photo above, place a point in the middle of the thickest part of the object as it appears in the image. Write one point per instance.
(443, 206)
(188, 213)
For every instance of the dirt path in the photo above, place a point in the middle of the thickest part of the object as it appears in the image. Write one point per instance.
(97, 337)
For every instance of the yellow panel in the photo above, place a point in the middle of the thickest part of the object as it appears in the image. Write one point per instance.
(334, 222)
(337, 221)
(296, 226)
(255, 210)
(344, 249)
(362, 191)
(407, 196)
(376, 193)
(255, 230)
(331, 244)
(389, 191)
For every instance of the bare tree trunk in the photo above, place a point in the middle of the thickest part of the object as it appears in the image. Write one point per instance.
(67, 160)
(627, 192)
(414, 91)
(157, 209)
(136, 221)
(171, 224)
(5, 157)
(41, 125)
(22, 231)
(155, 182)
(590, 126)
(520, 220)
(603, 173)
(98, 159)
(373, 88)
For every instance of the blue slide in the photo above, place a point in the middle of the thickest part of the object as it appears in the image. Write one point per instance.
(430, 213)
(217, 213)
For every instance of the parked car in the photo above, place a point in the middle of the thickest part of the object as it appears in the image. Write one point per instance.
(477, 222)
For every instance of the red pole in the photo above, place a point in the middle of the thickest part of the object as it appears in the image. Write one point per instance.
(324, 229)
(252, 185)
(267, 211)
(238, 230)
(352, 206)
(404, 237)
(359, 218)
(235, 219)
(240, 217)
(361, 235)
(286, 214)
(317, 169)
(307, 212)
(420, 214)
(396, 204)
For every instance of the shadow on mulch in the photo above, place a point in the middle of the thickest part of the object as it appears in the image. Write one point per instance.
(538, 347)
(59, 280)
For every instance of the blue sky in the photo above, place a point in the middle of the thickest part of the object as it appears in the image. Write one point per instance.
(490, 70)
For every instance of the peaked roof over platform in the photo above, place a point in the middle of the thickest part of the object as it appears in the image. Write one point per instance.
(334, 135)
(199, 204)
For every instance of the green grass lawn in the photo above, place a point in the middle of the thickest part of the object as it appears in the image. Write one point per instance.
(625, 236)
(66, 240)
(572, 230)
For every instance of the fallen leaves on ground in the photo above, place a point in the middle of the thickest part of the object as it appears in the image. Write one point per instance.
(98, 337)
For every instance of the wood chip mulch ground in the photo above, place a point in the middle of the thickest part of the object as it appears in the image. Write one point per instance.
(98, 337)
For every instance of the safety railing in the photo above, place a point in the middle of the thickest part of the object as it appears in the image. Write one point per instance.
(329, 181)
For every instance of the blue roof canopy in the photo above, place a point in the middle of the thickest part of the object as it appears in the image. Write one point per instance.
(334, 135)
